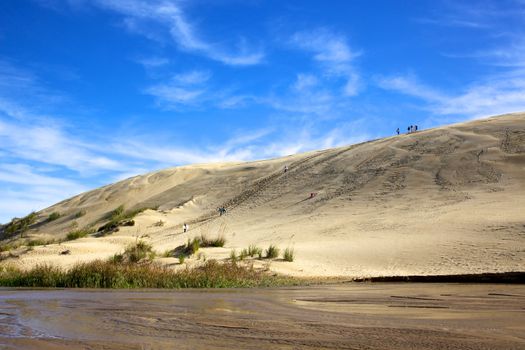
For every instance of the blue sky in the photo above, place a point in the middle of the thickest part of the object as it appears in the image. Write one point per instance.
(96, 91)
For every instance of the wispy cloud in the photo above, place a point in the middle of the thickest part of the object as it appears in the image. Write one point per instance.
(171, 16)
(153, 62)
(183, 89)
(494, 95)
(305, 82)
(49, 144)
(334, 55)
(409, 85)
(487, 15)
(510, 55)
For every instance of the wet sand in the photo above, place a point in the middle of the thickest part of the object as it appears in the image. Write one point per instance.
(348, 316)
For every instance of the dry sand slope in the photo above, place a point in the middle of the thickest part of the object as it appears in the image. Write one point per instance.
(442, 201)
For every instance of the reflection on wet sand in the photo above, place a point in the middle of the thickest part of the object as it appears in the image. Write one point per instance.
(352, 316)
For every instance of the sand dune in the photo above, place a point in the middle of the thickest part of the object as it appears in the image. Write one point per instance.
(441, 201)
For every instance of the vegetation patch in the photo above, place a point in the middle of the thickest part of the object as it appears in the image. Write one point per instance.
(272, 252)
(6, 247)
(244, 254)
(288, 254)
(233, 256)
(204, 241)
(18, 225)
(138, 252)
(253, 250)
(37, 242)
(119, 217)
(53, 216)
(193, 246)
(107, 274)
(80, 214)
(76, 234)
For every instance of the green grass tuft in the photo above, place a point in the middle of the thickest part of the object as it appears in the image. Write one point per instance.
(254, 250)
(272, 252)
(139, 252)
(288, 254)
(80, 233)
(244, 254)
(119, 217)
(215, 242)
(54, 216)
(233, 255)
(37, 242)
(80, 214)
(19, 225)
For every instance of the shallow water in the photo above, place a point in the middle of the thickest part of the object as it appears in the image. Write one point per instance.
(349, 316)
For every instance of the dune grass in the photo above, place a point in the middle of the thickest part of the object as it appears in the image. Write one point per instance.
(204, 241)
(108, 274)
(272, 252)
(18, 225)
(54, 216)
(38, 242)
(120, 217)
(192, 247)
(80, 233)
(289, 254)
(79, 214)
(253, 250)
(134, 253)
(233, 255)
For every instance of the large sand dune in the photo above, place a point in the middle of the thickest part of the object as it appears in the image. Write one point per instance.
(441, 201)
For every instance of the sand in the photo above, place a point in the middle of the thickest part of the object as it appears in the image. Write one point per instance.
(449, 200)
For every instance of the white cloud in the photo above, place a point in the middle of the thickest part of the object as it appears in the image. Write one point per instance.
(48, 144)
(192, 77)
(511, 55)
(24, 174)
(153, 62)
(170, 15)
(409, 85)
(305, 82)
(183, 89)
(334, 56)
(487, 15)
(326, 46)
(492, 96)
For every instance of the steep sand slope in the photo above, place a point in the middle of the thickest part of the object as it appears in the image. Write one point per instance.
(441, 201)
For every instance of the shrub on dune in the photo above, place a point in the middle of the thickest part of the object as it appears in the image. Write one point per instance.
(272, 252)
(288, 254)
(53, 216)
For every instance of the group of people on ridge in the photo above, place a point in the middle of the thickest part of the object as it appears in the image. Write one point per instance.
(410, 129)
